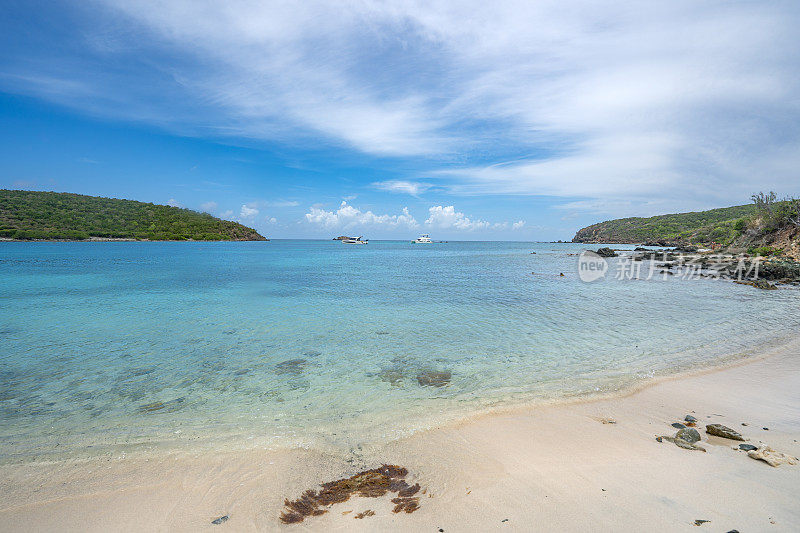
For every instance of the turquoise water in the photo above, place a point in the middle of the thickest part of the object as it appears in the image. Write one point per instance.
(108, 346)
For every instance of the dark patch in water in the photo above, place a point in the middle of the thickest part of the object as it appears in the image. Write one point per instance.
(433, 378)
(369, 484)
(391, 375)
(242, 371)
(382, 333)
(312, 353)
(163, 407)
(291, 366)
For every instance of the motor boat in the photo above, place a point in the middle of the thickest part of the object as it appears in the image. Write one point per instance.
(359, 240)
(423, 239)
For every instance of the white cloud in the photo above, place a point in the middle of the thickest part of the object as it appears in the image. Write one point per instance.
(519, 224)
(448, 218)
(173, 203)
(247, 211)
(690, 101)
(414, 188)
(209, 207)
(272, 220)
(227, 215)
(347, 216)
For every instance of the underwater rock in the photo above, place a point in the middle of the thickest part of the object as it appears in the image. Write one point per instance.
(220, 520)
(163, 407)
(369, 484)
(433, 378)
(291, 366)
(690, 435)
(771, 457)
(391, 376)
(723, 431)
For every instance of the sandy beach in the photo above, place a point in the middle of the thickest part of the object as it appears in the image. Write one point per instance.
(549, 468)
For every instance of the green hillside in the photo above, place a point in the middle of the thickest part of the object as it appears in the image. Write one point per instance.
(29, 215)
(717, 225)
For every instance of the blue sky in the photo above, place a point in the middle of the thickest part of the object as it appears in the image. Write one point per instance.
(466, 120)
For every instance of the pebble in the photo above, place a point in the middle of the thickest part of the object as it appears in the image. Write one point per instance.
(765, 429)
(700, 522)
(678, 425)
(690, 418)
(747, 447)
(220, 520)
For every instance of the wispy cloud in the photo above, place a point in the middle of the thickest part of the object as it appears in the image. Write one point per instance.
(690, 101)
(414, 188)
(248, 212)
(209, 207)
(173, 203)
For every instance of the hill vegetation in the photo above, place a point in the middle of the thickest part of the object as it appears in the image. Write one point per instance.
(767, 226)
(33, 215)
(717, 225)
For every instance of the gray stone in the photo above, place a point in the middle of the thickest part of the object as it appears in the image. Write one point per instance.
(719, 430)
(678, 425)
(220, 520)
(680, 443)
(688, 434)
(690, 418)
(747, 447)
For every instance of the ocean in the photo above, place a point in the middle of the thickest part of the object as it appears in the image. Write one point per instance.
(110, 347)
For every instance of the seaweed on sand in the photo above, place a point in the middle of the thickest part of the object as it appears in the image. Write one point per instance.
(372, 483)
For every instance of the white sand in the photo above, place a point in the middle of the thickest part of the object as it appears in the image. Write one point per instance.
(555, 468)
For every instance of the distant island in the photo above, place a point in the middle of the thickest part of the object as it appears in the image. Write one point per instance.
(35, 215)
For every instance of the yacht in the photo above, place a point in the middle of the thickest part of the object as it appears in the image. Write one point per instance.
(359, 240)
(423, 239)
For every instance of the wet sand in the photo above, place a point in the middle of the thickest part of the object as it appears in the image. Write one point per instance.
(534, 469)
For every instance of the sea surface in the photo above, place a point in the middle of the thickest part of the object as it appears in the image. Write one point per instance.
(121, 346)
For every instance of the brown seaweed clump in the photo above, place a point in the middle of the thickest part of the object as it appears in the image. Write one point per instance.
(369, 484)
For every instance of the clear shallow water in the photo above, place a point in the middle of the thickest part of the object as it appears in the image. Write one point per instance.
(117, 345)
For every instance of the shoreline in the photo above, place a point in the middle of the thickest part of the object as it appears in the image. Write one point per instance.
(243, 440)
(498, 462)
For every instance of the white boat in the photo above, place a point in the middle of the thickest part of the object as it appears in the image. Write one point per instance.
(359, 240)
(423, 239)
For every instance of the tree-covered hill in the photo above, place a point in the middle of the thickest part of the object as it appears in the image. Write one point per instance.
(29, 215)
(717, 225)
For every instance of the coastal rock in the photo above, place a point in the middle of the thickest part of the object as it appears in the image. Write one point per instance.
(759, 284)
(771, 457)
(747, 447)
(719, 430)
(433, 378)
(690, 435)
(677, 425)
(680, 443)
(606, 252)
(689, 418)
